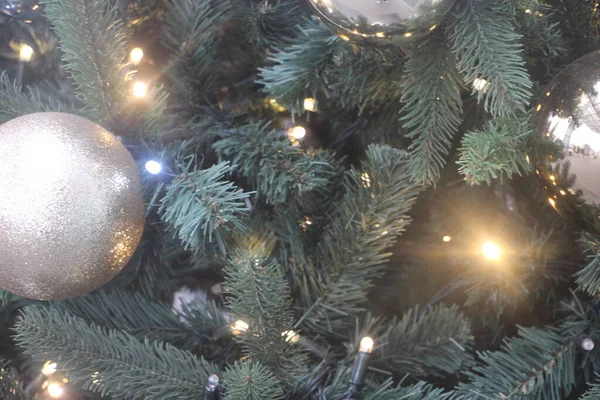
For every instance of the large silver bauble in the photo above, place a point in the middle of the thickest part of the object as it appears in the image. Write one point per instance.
(380, 22)
(569, 112)
(71, 208)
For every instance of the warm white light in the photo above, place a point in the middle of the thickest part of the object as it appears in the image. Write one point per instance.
(140, 89)
(447, 238)
(136, 56)
(239, 327)
(491, 250)
(297, 132)
(290, 336)
(153, 167)
(25, 53)
(49, 368)
(55, 390)
(310, 104)
(366, 345)
(366, 179)
(480, 84)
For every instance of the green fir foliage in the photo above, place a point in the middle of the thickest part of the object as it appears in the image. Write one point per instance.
(191, 32)
(538, 364)
(351, 253)
(588, 278)
(278, 169)
(426, 342)
(487, 47)
(497, 152)
(108, 361)
(143, 318)
(298, 70)
(94, 46)
(250, 380)
(267, 23)
(203, 208)
(432, 108)
(260, 296)
(15, 102)
(593, 393)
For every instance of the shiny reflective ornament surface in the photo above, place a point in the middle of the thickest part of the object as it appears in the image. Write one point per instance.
(381, 22)
(71, 208)
(569, 113)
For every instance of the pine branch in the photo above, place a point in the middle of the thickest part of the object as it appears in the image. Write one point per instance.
(351, 252)
(432, 106)
(418, 391)
(15, 102)
(496, 152)
(428, 343)
(141, 318)
(592, 393)
(539, 364)
(487, 47)
(260, 296)
(588, 279)
(298, 70)
(279, 171)
(267, 24)
(94, 46)
(191, 29)
(200, 207)
(250, 380)
(108, 361)
(535, 21)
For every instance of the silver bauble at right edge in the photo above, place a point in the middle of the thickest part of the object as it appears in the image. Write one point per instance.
(569, 114)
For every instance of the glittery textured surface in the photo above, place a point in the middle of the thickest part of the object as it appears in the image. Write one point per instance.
(380, 22)
(71, 209)
(569, 112)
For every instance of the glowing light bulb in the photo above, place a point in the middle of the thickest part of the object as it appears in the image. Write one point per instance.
(140, 89)
(239, 327)
(297, 132)
(154, 167)
(480, 84)
(447, 238)
(49, 368)
(136, 55)
(491, 250)
(55, 390)
(25, 53)
(290, 336)
(310, 104)
(366, 345)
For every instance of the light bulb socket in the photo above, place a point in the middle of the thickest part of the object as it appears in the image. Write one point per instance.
(359, 370)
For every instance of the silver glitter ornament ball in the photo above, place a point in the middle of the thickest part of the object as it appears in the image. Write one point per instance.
(569, 114)
(71, 208)
(380, 22)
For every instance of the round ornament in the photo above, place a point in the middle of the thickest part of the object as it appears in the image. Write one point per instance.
(71, 208)
(380, 22)
(569, 114)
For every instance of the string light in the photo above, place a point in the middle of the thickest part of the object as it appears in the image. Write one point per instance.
(491, 251)
(290, 336)
(154, 167)
(366, 345)
(297, 132)
(310, 104)
(140, 89)
(136, 55)
(26, 53)
(49, 368)
(480, 84)
(361, 362)
(447, 238)
(239, 327)
(366, 179)
(212, 384)
(55, 390)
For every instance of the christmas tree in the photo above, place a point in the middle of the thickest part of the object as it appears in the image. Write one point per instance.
(330, 213)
